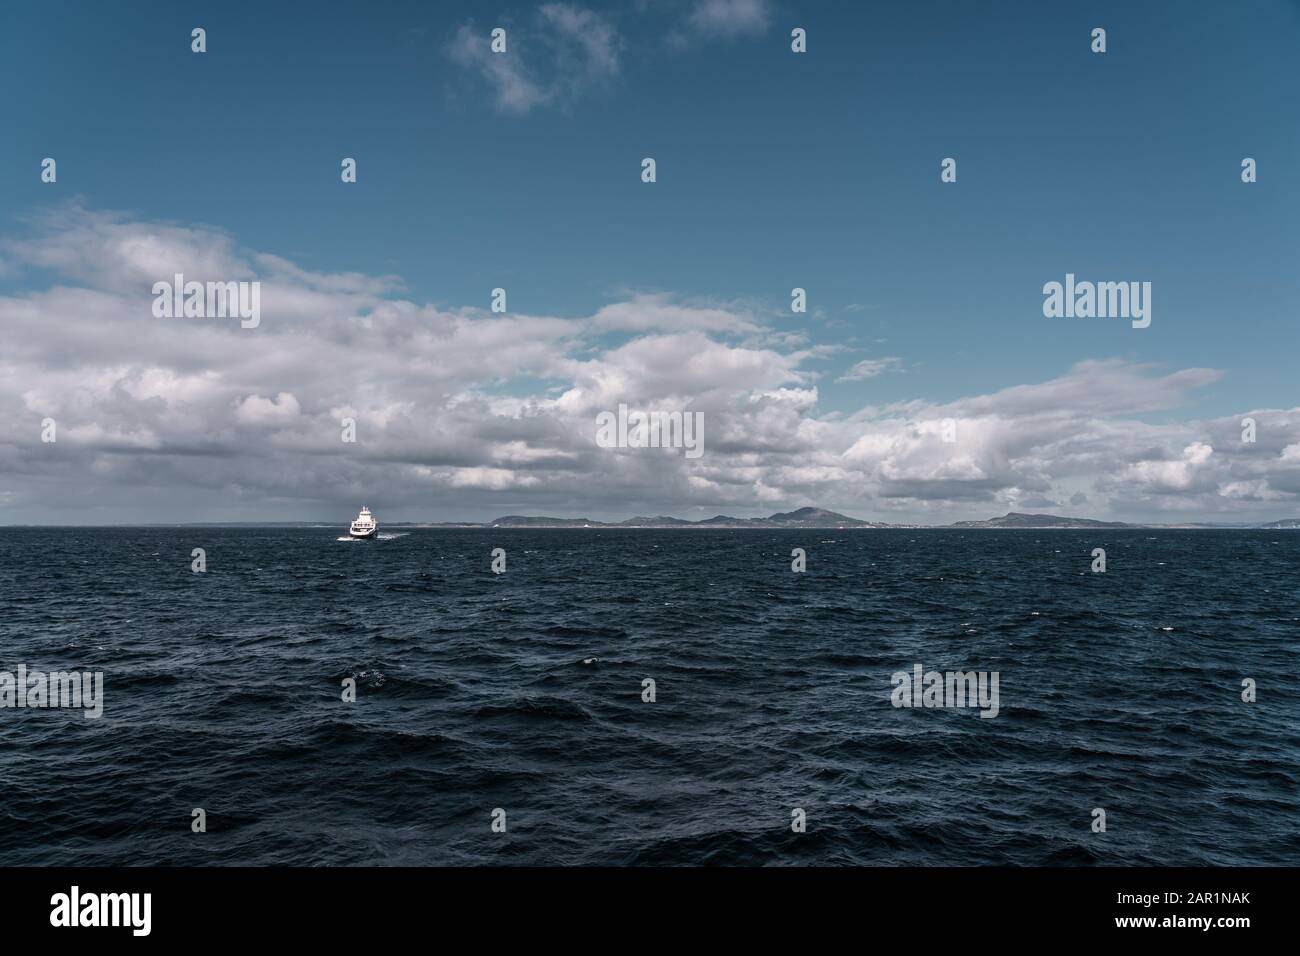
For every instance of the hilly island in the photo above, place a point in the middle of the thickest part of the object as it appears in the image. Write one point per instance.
(800, 518)
(821, 518)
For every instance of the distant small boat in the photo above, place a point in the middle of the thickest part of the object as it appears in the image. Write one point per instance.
(364, 526)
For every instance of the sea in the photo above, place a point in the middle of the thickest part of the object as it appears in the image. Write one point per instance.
(651, 697)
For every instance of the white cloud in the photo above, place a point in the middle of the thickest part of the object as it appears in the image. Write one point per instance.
(1172, 475)
(564, 52)
(460, 412)
(256, 410)
(658, 312)
(869, 368)
(729, 18)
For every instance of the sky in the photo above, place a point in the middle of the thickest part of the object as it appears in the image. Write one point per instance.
(774, 170)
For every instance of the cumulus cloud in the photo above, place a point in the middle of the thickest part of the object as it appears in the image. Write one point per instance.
(660, 312)
(1175, 474)
(465, 414)
(256, 410)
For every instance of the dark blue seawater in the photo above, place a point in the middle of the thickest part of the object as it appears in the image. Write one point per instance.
(1119, 690)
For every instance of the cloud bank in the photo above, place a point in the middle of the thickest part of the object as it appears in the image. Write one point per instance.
(465, 414)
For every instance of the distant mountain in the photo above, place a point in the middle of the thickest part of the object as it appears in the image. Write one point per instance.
(523, 521)
(661, 521)
(802, 518)
(817, 518)
(1014, 519)
(821, 518)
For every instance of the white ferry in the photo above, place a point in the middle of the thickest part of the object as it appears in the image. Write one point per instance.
(364, 526)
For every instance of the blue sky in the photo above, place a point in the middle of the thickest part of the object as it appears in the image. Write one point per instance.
(775, 170)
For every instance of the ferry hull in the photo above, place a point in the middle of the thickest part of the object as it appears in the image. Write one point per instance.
(365, 526)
